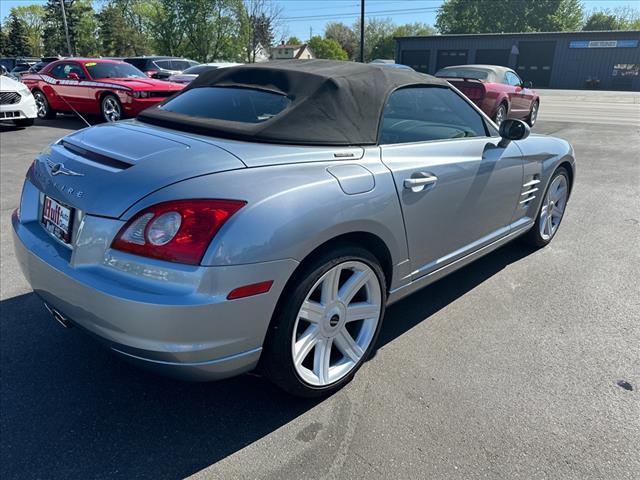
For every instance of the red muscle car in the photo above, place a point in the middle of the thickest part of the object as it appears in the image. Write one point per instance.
(497, 91)
(109, 88)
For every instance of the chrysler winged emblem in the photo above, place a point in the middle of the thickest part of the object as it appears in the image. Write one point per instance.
(60, 169)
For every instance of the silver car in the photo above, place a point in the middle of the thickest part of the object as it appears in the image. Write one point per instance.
(266, 216)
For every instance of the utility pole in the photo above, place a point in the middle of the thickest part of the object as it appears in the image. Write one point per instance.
(361, 31)
(66, 28)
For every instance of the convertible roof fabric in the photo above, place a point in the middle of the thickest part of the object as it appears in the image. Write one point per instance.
(332, 102)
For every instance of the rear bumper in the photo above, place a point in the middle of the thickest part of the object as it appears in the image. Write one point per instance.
(166, 318)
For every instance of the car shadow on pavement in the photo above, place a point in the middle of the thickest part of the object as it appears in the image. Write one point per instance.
(70, 409)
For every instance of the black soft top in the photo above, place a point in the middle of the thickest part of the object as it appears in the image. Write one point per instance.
(332, 102)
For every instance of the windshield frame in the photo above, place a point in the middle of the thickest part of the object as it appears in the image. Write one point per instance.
(89, 65)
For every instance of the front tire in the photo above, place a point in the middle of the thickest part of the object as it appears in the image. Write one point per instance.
(533, 114)
(42, 105)
(551, 210)
(111, 108)
(327, 323)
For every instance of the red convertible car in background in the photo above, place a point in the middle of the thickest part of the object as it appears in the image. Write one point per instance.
(109, 88)
(497, 91)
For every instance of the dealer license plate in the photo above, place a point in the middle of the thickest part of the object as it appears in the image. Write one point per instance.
(57, 219)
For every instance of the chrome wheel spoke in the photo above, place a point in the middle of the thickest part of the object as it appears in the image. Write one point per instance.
(362, 311)
(353, 286)
(329, 291)
(321, 359)
(348, 346)
(311, 311)
(557, 211)
(305, 343)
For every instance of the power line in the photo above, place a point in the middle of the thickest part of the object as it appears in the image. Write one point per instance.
(374, 13)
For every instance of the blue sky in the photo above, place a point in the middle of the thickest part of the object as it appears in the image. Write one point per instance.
(304, 16)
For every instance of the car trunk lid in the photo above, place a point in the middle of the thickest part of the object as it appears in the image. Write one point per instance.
(105, 169)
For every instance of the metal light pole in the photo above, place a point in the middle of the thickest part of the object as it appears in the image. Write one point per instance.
(361, 31)
(66, 28)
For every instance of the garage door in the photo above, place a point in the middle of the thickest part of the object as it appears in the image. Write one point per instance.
(534, 62)
(448, 58)
(493, 56)
(416, 59)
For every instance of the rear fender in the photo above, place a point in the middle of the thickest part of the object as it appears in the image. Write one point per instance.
(292, 209)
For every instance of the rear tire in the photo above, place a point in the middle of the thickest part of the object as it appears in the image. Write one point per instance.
(42, 104)
(24, 122)
(501, 114)
(319, 338)
(554, 201)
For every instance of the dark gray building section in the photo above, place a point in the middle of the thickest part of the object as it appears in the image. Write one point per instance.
(570, 60)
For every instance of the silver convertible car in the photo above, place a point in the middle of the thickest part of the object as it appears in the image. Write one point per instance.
(264, 217)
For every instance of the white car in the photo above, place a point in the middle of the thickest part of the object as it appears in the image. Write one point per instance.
(191, 73)
(16, 102)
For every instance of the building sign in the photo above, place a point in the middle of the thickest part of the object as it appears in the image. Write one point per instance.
(626, 70)
(603, 44)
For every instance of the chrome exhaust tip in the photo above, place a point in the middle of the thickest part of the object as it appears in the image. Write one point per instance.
(58, 317)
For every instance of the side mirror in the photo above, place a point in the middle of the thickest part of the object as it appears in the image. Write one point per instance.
(512, 129)
(73, 76)
(3, 70)
(528, 84)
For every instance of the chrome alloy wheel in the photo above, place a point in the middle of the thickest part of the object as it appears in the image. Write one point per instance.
(41, 104)
(501, 114)
(336, 323)
(111, 109)
(533, 116)
(553, 207)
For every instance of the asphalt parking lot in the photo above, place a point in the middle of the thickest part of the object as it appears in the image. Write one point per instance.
(525, 364)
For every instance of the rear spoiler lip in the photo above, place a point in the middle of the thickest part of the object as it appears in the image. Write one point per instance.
(464, 79)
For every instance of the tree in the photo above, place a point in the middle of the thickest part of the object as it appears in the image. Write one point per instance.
(345, 36)
(32, 17)
(294, 41)
(601, 21)
(4, 40)
(375, 31)
(18, 44)
(327, 48)
(617, 19)
(385, 48)
(259, 25)
(213, 29)
(81, 21)
(479, 16)
(124, 27)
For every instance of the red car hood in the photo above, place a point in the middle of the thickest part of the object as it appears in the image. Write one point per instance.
(147, 84)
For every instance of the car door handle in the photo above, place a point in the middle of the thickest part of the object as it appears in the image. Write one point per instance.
(419, 180)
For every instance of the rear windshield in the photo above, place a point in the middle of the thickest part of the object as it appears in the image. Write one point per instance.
(244, 105)
(463, 73)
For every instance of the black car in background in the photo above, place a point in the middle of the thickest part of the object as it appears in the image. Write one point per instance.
(161, 67)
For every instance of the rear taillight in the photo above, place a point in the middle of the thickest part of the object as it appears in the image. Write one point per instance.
(178, 231)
